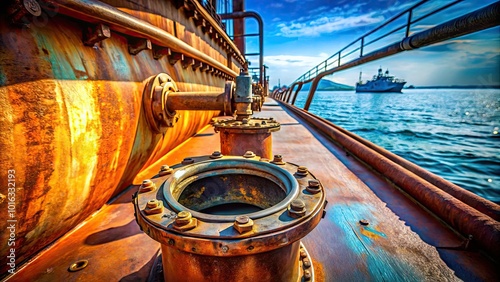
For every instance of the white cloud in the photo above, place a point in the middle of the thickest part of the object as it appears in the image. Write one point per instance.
(325, 24)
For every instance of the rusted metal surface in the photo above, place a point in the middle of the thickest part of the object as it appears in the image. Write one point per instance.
(203, 238)
(254, 134)
(401, 242)
(465, 219)
(99, 12)
(73, 122)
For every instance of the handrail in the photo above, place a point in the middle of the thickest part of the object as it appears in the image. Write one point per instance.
(100, 12)
(480, 19)
(310, 74)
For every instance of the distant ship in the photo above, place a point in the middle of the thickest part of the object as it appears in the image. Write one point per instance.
(382, 82)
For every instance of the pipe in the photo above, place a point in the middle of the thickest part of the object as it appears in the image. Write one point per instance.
(457, 214)
(195, 101)
(98, 12)
(480, 19)
(246, 14)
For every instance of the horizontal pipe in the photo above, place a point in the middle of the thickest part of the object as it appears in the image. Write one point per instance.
(212, 101)
(483, 18)
(98, 12)
(467, 220)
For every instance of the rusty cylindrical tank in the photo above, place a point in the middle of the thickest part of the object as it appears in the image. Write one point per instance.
(227, 218)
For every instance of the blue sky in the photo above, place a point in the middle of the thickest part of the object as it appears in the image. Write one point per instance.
(299, 34)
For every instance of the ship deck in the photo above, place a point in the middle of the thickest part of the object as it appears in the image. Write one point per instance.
(401, 243)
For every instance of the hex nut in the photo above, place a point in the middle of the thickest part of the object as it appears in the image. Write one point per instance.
(192, 224)
(297, 208)
(314, 186)
(243, 224)
(216, 155)
(164, 170)
(278, 160)
(153, 207)
(302, 171)
(146, 186)
(185, 221)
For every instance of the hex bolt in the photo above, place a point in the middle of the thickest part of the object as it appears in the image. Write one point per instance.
(306, 263)
(147, 185)
(313, 186)
(164, 170)
(249, 154)
(297, 208)
(153, 207)
(243, 224)
(216, 155)
(185, 221)
(183, 218)
(297, 205)
(307, 275)
(152, 204)
(302, 171)
(187, 161)
(242, 219)
(278, 159)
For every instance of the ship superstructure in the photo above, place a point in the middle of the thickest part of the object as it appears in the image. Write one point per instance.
(382, 82)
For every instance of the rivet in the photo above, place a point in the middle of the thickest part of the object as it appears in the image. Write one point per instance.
(303, 254)
(187, 161)
(244, 121)
(216, 155)
(249, 154)
(225, 249)
(364, 222)
(164, 170)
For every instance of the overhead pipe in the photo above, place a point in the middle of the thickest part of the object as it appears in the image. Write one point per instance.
(464, 218)
(250, 14)
(480, 19)
(99, 12)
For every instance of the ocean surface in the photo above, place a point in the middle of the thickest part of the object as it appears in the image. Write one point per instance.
(454, 133)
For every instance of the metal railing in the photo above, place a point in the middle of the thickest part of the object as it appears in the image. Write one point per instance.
(480, 19)
(335, 60)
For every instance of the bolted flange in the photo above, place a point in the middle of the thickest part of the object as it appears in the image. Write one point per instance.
(154, 102)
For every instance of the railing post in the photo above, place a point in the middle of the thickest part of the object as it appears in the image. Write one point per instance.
(297, 92)
(361, 48)
(338, 62)
(410, 12)
(290, 91)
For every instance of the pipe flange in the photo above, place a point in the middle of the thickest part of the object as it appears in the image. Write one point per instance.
(229, 89)
(154, 102)
(201, 186)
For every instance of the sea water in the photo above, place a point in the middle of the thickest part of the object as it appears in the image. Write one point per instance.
(454, 133)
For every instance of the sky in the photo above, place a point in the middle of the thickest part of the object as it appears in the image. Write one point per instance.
(299, 34)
